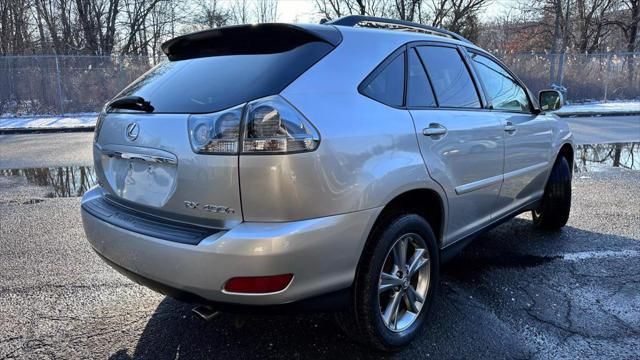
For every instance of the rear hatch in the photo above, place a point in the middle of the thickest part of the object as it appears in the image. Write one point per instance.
(144, 158)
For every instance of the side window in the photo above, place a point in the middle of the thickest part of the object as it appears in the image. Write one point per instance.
(504, 91)
(419, 91)
(388, 85)
(449, 76)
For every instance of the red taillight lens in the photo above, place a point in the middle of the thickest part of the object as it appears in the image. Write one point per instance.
(272, 125)
(258, 284)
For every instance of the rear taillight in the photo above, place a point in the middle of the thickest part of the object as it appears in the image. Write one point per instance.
(269, 125)
(216, 133)
(272, 125)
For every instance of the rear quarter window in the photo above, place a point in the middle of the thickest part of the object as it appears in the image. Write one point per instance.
(387, 85)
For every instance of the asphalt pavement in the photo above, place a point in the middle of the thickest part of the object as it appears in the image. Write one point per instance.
(43, 150)
(516, 292)
(604, 129)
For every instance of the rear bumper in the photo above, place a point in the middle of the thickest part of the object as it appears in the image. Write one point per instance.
(322, 254)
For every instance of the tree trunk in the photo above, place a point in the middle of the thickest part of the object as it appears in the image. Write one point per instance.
(557, 37)
(616, 155)
(631, 43)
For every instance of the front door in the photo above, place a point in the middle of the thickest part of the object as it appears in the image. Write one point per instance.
(461, 143)
(527, 136)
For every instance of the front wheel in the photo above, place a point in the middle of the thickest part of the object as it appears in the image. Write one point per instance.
(395, 284)
(553, 212)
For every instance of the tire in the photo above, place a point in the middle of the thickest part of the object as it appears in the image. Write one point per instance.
(553, 212)
(365, 320)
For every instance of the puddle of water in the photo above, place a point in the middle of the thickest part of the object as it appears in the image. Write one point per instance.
(63, 181)
(601, 157)
(72, 181)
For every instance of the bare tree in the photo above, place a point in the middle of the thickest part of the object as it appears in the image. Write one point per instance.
(240, 13)
(592, 23)
(630, 26)
(463, 17)
(266, 10)
(58, 30)
(437, 11)
(407, 9)
(98, 21)
(134, 25)
(332, 9)
(629, 23)
(210, 14)
(14, 32)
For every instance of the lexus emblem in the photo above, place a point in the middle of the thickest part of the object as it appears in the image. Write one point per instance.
(133, 130)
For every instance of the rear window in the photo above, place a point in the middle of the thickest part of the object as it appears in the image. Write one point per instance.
(209, 84)
(449, 76)
(419, 93)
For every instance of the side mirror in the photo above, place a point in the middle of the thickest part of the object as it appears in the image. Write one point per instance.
(550, 100)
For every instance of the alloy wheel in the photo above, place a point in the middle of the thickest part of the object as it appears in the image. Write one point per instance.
(404, 282)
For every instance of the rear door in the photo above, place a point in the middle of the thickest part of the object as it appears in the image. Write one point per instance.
(155, 171)
(527, 136)
(461, 142)
(147, 161)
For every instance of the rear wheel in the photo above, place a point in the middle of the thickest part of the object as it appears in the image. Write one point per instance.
(553, 212)
(395, 284)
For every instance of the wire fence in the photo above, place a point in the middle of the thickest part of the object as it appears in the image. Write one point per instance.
(586, 77)
(58, 85)
(37, 85)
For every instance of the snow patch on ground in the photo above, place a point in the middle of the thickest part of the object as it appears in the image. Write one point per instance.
(607, 108)
(585, 255)
(78, 120)
(88, 120)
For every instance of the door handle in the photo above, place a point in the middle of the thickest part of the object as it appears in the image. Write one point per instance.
(434, 130)
(510, 128)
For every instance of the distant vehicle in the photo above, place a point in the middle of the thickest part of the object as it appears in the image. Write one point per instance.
(330, 166)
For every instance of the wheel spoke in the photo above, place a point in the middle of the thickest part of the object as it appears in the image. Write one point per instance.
(417, 261)
(417, 295)
(412, 298)
(390, 315)
(400, 254)
(388, 282)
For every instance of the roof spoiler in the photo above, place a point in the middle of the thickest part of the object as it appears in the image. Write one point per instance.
(248, 39)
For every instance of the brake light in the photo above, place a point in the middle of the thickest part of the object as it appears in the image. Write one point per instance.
(272, 125)
(215, 133)
(258, 284)
(269, 125)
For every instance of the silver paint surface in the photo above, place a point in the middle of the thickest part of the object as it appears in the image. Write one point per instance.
(310, 213)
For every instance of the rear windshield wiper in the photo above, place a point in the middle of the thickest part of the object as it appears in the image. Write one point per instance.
(131, 103)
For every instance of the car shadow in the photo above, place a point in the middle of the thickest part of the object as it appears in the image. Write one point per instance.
(459, 326)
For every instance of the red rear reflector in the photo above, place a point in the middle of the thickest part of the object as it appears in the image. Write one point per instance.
(258, 284)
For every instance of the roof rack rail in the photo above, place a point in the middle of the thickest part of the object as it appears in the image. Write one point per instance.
(393, 24)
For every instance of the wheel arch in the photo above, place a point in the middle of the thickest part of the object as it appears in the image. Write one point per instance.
(566, 150)
(425, 202)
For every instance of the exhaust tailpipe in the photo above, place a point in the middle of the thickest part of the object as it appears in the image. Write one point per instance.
(206, 312)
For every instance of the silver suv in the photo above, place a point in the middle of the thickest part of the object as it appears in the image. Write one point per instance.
(325, 167)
